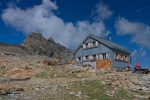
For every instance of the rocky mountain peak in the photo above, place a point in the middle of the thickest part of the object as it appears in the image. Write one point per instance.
(37, 44)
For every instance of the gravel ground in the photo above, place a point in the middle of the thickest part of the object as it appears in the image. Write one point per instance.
(25, 77)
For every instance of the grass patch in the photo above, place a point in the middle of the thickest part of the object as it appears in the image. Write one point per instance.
(124, 94)
(96, 90)
(41, 75)
(86, 90)
(92, 89)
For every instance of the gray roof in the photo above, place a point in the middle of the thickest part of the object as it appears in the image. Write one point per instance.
(108, 43)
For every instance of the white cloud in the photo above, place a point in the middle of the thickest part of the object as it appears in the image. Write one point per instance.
(140, 32)
(41, 18)
(102, 11)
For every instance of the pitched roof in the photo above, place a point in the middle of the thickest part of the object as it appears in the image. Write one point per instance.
(108, 43)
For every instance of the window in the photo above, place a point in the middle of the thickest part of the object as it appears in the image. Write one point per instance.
(121, 57)
(84, 46)
(97, 56)
(86, 57)
(118, 57)
(94, 44)
(89, 45)
(79, 58)
(90, 57)
(104, 55)
(94, 57)
(107, 55)
(126, 58)
(100, 56)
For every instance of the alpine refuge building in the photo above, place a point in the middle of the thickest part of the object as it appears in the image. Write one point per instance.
(97, 52)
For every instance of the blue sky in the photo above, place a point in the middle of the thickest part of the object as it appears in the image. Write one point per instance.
(123, 21)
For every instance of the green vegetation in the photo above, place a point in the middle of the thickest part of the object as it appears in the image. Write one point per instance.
(81, 90)
(41, 75)
(125, 94)
(96, 90)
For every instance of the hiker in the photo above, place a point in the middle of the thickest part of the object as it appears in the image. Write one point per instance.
(137, 67)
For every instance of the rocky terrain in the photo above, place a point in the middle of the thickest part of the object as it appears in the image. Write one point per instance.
(39, 45)
(36, 44)
(8, 49)
(33, 77)
(37, 70)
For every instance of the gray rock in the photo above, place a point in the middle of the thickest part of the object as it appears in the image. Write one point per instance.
(37, 44)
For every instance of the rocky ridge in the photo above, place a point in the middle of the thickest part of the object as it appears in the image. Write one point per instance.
(36, 44)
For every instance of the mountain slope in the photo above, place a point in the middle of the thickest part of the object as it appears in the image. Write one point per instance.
(37, 44)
